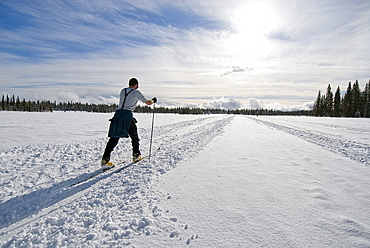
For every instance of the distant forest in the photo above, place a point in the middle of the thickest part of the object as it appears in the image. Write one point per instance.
(354, 103)
(15, 104)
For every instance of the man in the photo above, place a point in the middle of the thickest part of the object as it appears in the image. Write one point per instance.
(123, 124)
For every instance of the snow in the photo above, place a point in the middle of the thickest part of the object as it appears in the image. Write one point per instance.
(212, 181)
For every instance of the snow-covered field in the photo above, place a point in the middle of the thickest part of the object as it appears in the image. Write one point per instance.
(212, 181)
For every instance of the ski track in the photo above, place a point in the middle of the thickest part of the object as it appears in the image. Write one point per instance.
(353, 150)
(47, 210)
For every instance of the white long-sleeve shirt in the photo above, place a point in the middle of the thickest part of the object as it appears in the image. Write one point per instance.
(132, 98)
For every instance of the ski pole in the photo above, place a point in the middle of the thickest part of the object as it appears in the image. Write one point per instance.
(151, 134)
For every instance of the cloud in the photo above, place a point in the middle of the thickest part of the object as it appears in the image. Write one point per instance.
(278, 35)
(254, 103)
(223, 103)
(66, 96)
(236, 69)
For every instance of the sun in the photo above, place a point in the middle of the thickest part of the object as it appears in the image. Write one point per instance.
(251, 22)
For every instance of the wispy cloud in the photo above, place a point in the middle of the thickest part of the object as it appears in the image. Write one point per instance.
(181, 49)
(236, 69)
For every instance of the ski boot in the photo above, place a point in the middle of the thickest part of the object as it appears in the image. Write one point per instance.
(106, 164)
(136, 158)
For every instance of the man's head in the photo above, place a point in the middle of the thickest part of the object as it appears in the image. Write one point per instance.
(133, 83)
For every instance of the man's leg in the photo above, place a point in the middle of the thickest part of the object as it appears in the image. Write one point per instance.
(134, 138)
(109, 148)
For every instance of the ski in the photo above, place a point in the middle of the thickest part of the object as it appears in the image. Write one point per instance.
(93, 174)
(117, 168)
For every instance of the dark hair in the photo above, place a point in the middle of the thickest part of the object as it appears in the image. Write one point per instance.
(133, 81)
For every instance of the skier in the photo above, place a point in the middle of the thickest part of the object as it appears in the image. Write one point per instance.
(123, 124)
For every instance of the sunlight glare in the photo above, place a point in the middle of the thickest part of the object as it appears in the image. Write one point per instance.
(252, 22)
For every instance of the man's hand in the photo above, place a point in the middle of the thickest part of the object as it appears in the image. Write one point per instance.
(150, 102)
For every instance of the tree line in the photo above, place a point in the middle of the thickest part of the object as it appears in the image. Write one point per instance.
(15, 104)
(353, 103)
(203, 111)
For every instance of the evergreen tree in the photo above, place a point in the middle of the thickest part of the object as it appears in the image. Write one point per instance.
(348, 102)
(328, 111)
(12, 101)
(317, 105)
(356, 100)
(337, 103)
(18, 104)
(3, 103)
(366, 95)
(322, 110)
(24, 105)
(7, 102)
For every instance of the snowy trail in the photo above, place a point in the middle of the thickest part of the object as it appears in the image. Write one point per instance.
(354, 150)
(213, 181)
(43, 179)
(291, 193)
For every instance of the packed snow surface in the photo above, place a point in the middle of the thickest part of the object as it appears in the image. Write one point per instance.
(212, 181)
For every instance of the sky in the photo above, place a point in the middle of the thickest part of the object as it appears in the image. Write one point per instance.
(208, 53)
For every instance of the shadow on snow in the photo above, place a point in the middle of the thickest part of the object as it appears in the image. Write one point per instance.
(20, 207)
